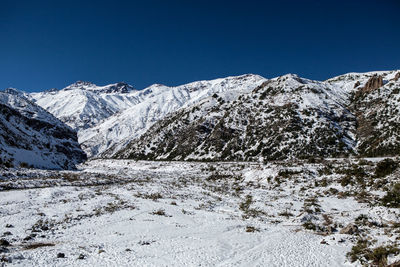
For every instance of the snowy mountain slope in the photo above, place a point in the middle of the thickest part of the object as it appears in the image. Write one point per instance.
(284, 117)
(29, 135)
(82, 105)
(378, 117)
(156, 102)
(374, 101)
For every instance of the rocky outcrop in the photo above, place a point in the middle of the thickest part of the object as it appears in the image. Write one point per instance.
(397, 77)
(373, 83)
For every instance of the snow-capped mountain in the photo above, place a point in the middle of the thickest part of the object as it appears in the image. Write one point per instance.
(154, 103)
(284, 117)
(107, 117)
(82, 105)
(31, 136)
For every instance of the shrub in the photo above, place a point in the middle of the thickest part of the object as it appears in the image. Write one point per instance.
(24, 165)
(346, 180)
(385, 167)
(392, 198)
(310, 226)
(379, 255)
(8, 164)
(358, 250)
(245, 205)
(251, 229)
(160, 212)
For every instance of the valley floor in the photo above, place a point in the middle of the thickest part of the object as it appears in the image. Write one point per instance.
(127, 213)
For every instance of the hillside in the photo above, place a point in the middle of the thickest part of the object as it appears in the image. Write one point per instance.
(285, 117)
(30, 136)
(374, 101)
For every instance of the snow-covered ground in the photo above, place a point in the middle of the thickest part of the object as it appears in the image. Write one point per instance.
(127, 213)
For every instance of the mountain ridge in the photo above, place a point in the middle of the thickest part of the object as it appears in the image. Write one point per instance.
(218, 129)
(108, 120)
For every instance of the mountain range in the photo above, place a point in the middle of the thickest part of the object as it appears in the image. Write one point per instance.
(245, 117)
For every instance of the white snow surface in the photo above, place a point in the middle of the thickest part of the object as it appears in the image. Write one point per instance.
(128, 213)
(117, 225)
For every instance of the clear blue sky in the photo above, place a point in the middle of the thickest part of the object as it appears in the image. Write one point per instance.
(46, 44)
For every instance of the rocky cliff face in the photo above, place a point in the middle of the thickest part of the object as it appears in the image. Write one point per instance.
(373, 83)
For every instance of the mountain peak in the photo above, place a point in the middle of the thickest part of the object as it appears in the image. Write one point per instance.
(291, 80)
(13, 91)
(120, 87)
(51, 90)
(80, 85)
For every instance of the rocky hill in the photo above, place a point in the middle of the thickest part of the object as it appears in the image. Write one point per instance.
(287, 117)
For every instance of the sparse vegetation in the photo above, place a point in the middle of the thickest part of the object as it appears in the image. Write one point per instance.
(392, 197)
(281, 194)
(377, 256)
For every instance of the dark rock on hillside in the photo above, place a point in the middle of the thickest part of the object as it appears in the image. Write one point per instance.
(397, 77)
(373, 83)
